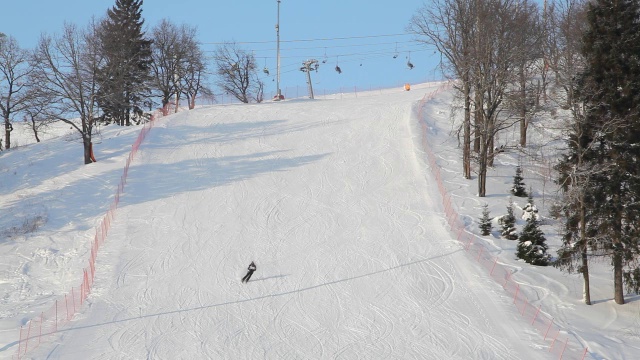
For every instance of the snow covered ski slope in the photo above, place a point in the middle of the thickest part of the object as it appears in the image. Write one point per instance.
(332, 200)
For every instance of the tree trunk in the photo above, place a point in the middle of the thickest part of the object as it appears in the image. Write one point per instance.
(127, 110)
(585, 276)
(585, 261)
(490, 151)
(35, 130)
(165, 106)
(478, 120)
(87, 150)
(617, 277)
(7, 133)
(466, 152)
(616, 259)
(482, 167)
(523, 108)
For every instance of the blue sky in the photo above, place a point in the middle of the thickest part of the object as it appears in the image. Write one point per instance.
(360, 36)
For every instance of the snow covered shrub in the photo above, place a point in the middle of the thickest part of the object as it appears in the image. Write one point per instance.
(518, 189)
(632, 280)
(530, 210)
(532, 246)
(485, 221)
(508, 224)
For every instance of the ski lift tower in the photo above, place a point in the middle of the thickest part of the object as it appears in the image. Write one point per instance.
(278, 96)
(307, 66)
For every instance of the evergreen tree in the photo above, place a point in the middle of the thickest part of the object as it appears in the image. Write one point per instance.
(610, 89)
(576, 170)
(532, 246)
(124, 78)
(518, 189)
(485, 221)
(508, 223)
(530, 210)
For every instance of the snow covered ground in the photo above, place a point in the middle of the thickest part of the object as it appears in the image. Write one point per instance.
(335, 202)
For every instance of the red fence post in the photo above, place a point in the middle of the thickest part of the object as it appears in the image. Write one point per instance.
(20, 342)
(524, 308)
(564, 348)
(73, 300)
(494, 265)
(585, 353)
(469, 243)
(548, 328)
(66, 303)
(536, 315)
(553, 342)
(26, 344)
(506, 279)
(41, 320)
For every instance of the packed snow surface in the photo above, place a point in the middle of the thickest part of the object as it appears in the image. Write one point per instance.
(333, 200)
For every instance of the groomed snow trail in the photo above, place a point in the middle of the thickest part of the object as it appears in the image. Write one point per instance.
(332, 201)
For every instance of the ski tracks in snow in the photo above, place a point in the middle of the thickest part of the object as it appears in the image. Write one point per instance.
(353, 261)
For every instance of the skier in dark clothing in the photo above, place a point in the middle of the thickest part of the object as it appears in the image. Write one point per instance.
(252, 268)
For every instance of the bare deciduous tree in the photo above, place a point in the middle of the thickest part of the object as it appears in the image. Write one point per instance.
(524, 101)
(495, 58)
(65, 69)
(566, 24)
(14, 84)
(36, 112)
(178, 65)
(484, 42)
(448, 25)
(165, 53)
(195, 75)
(236, 69)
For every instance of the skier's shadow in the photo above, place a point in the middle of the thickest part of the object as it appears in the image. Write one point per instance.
(269, 277)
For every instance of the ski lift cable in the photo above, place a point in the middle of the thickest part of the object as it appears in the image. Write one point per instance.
(398, 49)
(345, 57)
(373, 52)
(294, 66)
(340, 46)
(309, 40)
(404, 47)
